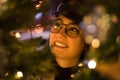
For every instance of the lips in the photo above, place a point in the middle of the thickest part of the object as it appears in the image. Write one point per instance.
(60, 44)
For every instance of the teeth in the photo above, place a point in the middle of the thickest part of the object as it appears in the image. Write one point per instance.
(60, 44)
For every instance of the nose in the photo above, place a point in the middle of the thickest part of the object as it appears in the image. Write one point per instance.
(62, 33)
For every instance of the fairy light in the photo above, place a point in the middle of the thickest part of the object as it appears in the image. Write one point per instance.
(95, 43)
(19, 75)
(38, 5)
(87, 20)
(80, 64)
(91, 28)
(89, 39)
(38, 15)
(118, 39)
(6, 74)
(3, 6)
(99, 9)
(92, 64)
(17, 35)
(72, 75)
(114, 18)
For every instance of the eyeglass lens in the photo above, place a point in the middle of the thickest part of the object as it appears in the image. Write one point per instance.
(72, 30)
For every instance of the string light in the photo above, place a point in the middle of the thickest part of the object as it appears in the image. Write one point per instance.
(18, 75)
(95, 43)
(89, 39)
(3, 6)
(118, 39)
(17, 35)
(38, 15)
(91, 28)
(97, 24)
(6, 74)
(92, 64)
(80, 64)
(72, 75)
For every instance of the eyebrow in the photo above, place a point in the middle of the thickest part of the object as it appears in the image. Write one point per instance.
(59, 19)
(69, 23)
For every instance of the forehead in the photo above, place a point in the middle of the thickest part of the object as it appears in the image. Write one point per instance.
(65, 20)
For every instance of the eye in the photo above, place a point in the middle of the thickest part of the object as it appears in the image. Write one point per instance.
(56, 27)
(73, 28)
(57, 24)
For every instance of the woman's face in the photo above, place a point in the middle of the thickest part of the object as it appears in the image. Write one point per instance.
(63, 46)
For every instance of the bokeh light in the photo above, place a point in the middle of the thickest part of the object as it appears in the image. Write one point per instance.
(3, 6)
(95, 43)
(91, 28)
(80, 64)
(92, 64)
(89, 39)
(38, 15)
(19, 75)
(118, 39)
(17, 35)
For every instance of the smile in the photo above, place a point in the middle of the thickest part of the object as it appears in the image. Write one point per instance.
(60, 45)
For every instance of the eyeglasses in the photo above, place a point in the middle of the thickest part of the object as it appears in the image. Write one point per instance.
(71, 30)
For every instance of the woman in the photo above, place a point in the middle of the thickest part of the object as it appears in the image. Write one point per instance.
(68, 46)
(67, 41)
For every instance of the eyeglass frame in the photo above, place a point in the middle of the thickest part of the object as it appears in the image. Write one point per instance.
(67, 29)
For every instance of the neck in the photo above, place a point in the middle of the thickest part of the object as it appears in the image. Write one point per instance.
(66, 63)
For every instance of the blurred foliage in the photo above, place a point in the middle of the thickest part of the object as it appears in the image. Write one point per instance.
(23, 56)
(17, 14)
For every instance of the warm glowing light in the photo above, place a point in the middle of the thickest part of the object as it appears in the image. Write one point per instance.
(89, 39)
(3, 1)
(38, 28)
(40, 2)
(18, 75)
(114, 18)
(99, 9)
(118, 39)
(6, 74)
(80, 64)
(92, 64)
(38, 5)
(95, 43)
(12, 33)
(17, 35)
(87, 20)
(3, 6)
(72, 75)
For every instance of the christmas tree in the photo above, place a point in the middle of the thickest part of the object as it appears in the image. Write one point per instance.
(23, 58)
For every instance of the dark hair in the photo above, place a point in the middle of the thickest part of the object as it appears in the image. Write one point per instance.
(71, 11)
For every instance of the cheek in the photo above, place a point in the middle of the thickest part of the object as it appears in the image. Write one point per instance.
(77, 45)
(51, 39)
